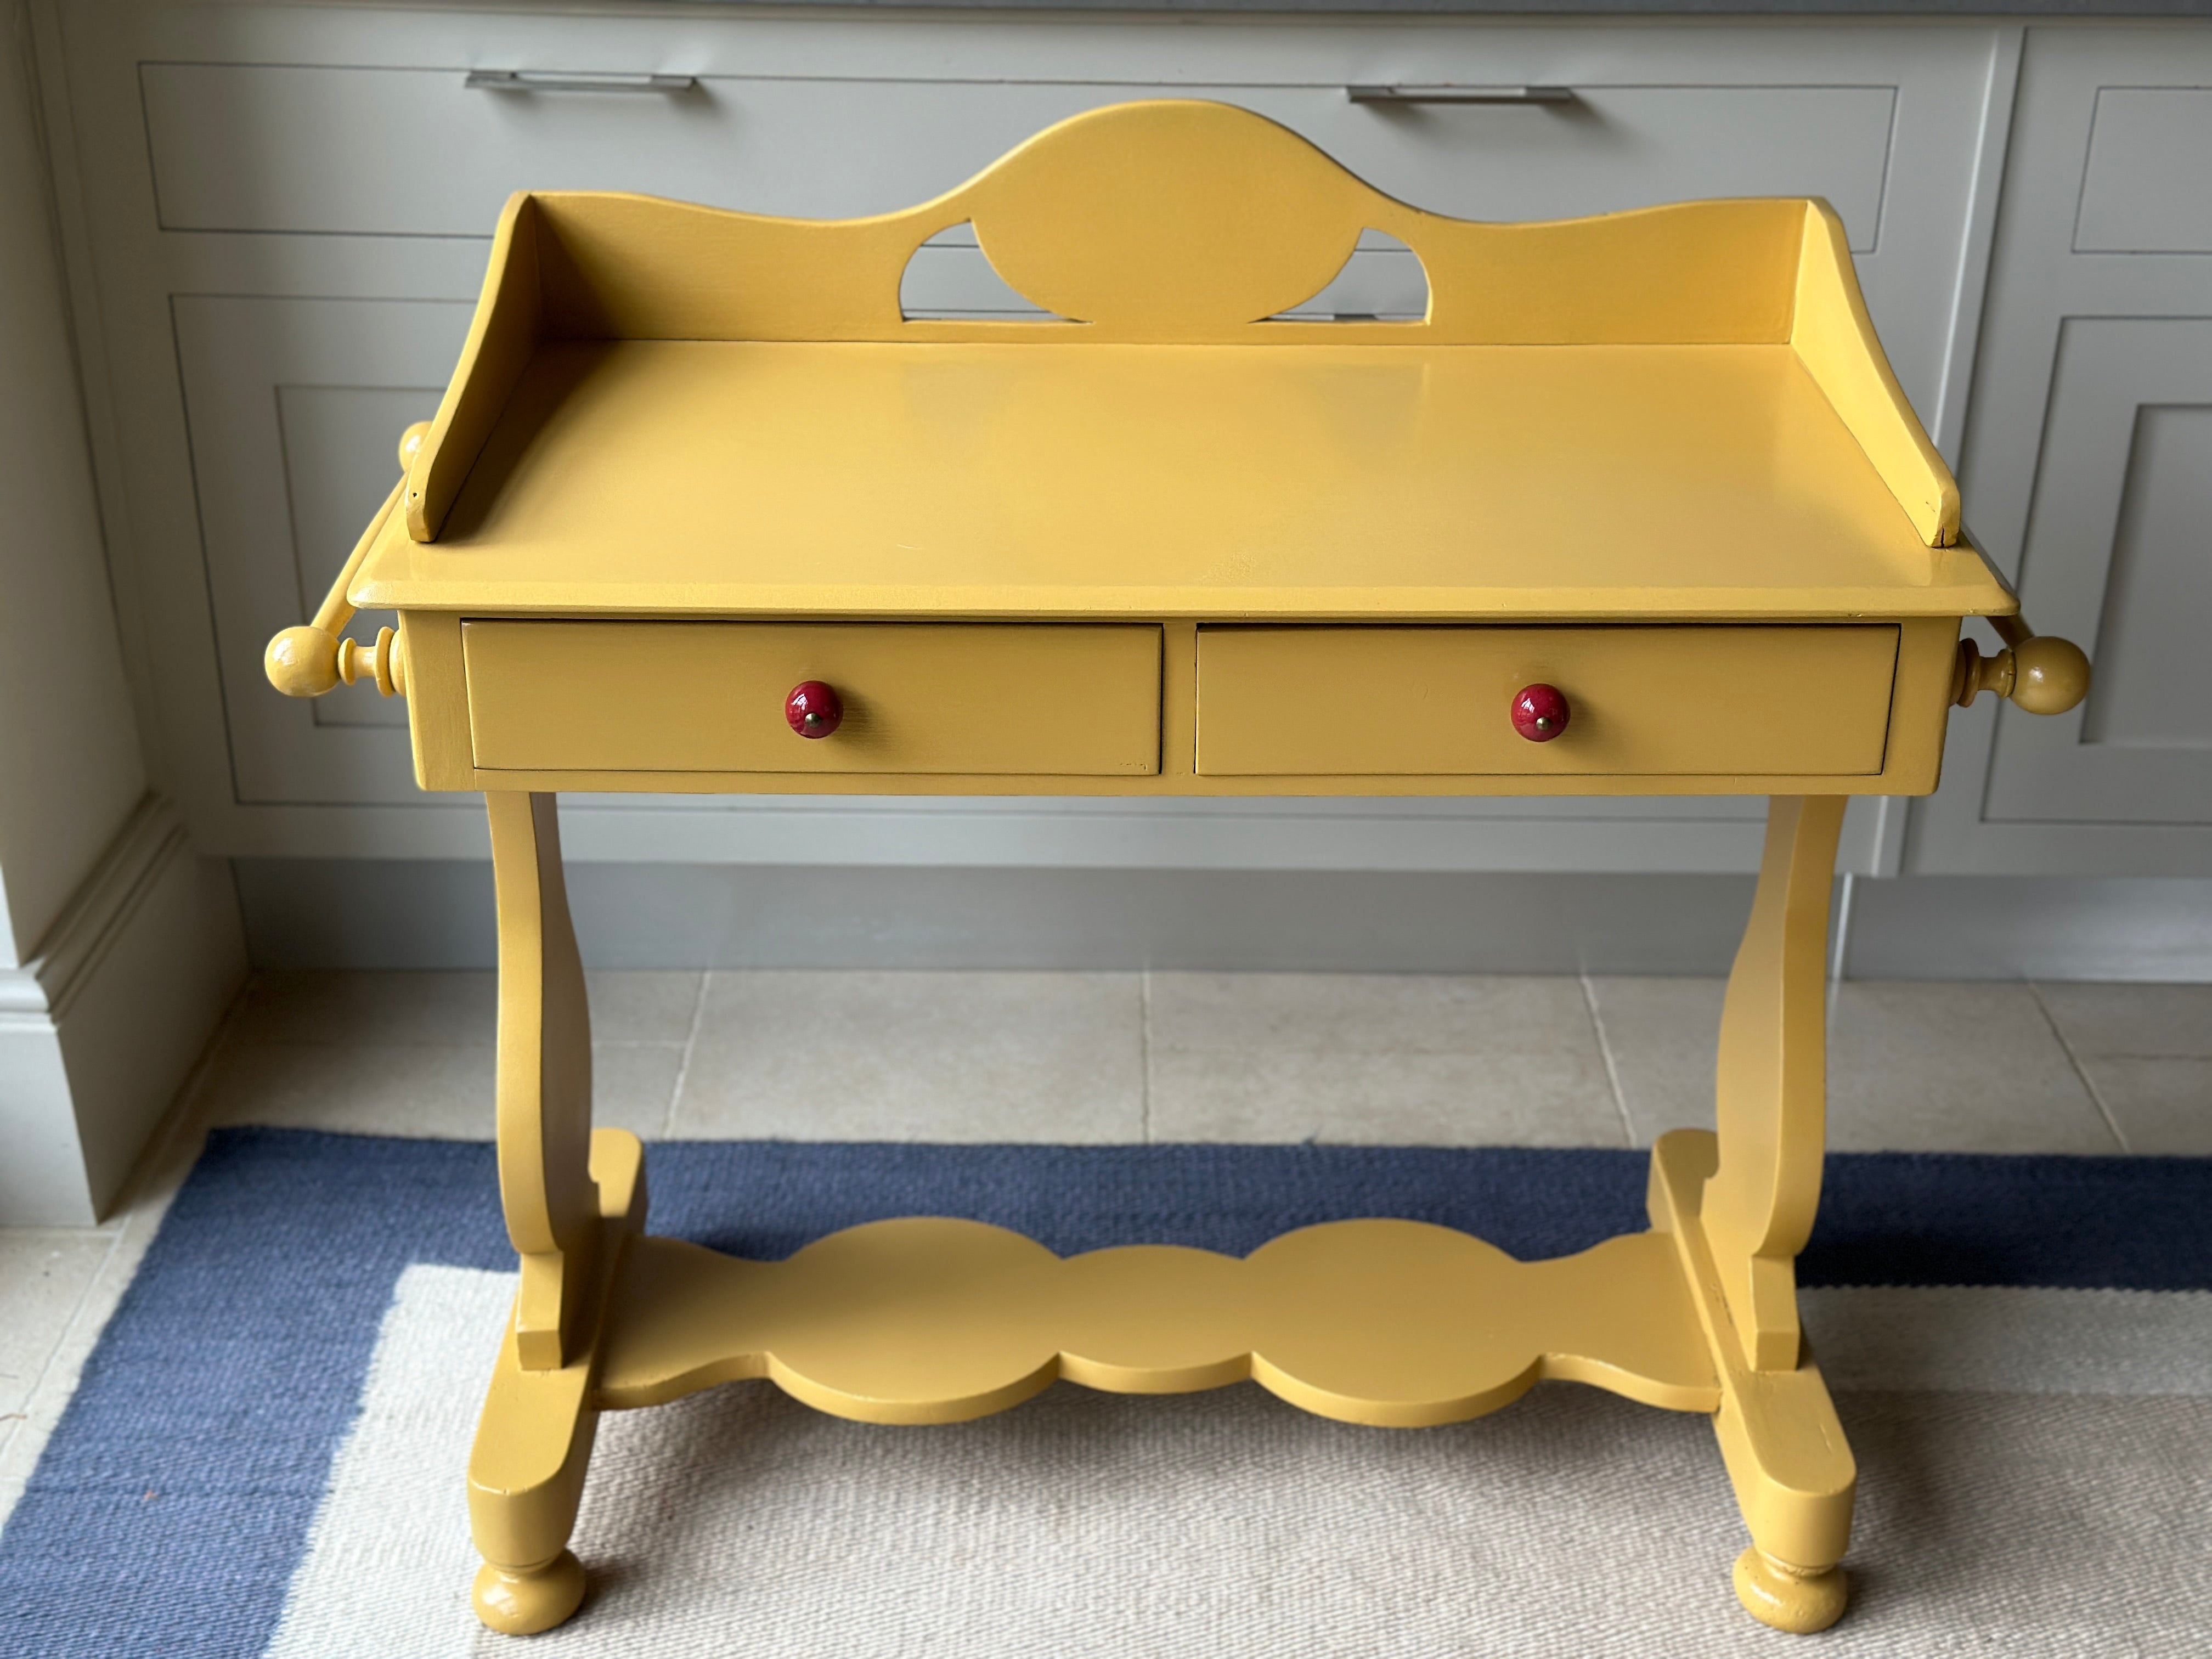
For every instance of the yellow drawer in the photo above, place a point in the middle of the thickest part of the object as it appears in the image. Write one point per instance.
(1677, 701)
(645, 697)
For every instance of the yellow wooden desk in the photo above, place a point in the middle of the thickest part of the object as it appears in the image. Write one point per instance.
(1637, 508)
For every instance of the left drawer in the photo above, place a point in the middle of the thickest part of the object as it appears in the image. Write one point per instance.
(958, 698)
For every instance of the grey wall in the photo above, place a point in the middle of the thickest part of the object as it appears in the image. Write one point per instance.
(308, 913)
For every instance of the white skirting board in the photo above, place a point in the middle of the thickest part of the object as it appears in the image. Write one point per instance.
(370, 914)
(101, 1027)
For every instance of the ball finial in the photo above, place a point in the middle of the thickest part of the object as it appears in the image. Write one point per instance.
(2049, 675)
(301, 662)
(410, 444)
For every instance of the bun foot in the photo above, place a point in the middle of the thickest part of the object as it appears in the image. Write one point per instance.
(1800, 1600)
(525, 1602)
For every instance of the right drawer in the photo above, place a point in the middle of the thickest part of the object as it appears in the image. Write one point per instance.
(1679, 701)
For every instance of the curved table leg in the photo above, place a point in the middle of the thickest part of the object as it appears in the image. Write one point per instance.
(571, 1198)
(1740, 1206)
(544, 1094)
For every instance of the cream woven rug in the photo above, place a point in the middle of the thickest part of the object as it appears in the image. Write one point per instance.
(2043, 1486)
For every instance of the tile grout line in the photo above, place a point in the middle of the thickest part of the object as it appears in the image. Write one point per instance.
(1144, 1055)
(19, 1421)
(684, 1065)
(1605, 1052)
(2112, 1123)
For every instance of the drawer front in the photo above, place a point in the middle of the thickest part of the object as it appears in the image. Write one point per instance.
(1649, 702)
(584, 697)
(375, 150)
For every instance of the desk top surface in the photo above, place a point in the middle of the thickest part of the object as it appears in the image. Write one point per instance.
(1418, 480)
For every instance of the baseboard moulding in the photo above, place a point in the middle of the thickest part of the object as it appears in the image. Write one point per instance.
(103, 1023)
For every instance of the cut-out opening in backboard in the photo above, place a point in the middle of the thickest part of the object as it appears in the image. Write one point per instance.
(1382, 282)
(950, 277)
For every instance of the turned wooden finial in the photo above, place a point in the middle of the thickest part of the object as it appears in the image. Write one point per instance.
(302, 662)
(312, 659)
(2042, 674)
(2050, 675)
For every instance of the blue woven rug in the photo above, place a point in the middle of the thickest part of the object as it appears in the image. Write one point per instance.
(174, 1502)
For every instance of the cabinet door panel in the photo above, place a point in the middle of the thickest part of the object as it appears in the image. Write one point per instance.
(2085, 464)
(2145, 189)
(2119, 552)
(2158, 598)
(294, 409)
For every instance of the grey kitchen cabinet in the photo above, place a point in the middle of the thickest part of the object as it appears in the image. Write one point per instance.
(2088, 467)
(275, 216)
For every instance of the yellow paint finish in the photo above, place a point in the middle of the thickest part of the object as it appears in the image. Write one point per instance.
(930, 1320)
(1177, 222)
(927, 1320)
(709, 696)
(502, 337)
(1262, 226)
(309, 660)
(1834, 337)
(1642, 700)
(625, 267)
(544, 1104)
(693, 477)
(691, 458)
(1795, 1481)
(636, 712)
(534, 1442)
(1772, 1076)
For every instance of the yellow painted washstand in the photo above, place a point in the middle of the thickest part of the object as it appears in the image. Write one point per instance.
(1637, 508)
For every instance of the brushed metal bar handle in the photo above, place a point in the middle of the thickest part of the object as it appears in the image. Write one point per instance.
(1442, 95)
(584, 80)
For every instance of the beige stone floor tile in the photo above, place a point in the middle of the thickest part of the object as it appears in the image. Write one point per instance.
(633, 1086)
(1953, 1067)
(1382, 1099)
(1662, 1035)
(635, 1006)
(44, 1274)
(1376, 1059)
(32, 1423)
(438, 1090)
(1368, 1013)
(1940, 1068)
(916, 1056)
(2160, 1105)
(2140, 1021)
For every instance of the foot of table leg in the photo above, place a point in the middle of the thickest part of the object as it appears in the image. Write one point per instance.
(534, 1441)
(522, 1601)
(1792, 1470)
(1800, 1600)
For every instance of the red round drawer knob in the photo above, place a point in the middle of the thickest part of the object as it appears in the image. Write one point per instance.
(813, 709)
(1541, 713)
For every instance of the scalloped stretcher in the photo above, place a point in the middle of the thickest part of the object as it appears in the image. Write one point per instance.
(1172, 543)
